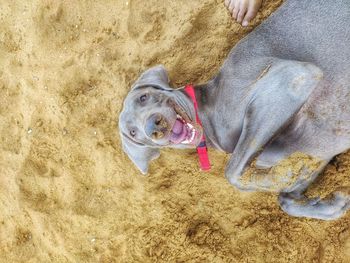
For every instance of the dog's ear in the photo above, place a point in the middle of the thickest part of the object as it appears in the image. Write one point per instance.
(155, 77)
(139, 154)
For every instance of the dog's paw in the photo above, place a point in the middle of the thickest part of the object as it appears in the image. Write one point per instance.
(329, 208)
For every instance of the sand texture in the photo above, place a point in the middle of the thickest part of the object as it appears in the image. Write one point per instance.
(67, 191)
(283, 175)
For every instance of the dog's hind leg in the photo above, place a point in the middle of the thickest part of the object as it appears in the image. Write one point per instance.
(294, 173)
(277, 97)
(295, 203)
(329, 208)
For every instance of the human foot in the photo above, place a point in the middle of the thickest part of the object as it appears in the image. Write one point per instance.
(243, 10)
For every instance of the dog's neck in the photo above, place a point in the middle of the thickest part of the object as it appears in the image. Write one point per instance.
(204, 95)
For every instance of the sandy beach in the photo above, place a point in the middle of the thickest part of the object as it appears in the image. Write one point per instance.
(68, 193)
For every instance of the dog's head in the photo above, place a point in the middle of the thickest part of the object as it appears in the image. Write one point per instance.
(154, 115)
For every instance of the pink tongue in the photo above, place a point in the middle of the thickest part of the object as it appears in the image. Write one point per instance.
(177, 128)
(179, 132)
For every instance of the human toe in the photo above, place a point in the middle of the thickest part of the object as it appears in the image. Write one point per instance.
(251, 13)
(242, 12)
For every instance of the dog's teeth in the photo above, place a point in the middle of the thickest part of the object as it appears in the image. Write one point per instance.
(179, 117)
(192, 135)
(190, 140)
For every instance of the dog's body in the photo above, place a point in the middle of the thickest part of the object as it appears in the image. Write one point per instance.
(285, 88)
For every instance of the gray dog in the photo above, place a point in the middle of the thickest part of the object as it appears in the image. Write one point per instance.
(284, 89)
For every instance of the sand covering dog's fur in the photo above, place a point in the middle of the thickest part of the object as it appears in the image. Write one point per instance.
(69, 194)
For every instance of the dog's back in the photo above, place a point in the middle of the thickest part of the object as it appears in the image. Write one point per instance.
(310, 31)
(319, 32)
(315, 31)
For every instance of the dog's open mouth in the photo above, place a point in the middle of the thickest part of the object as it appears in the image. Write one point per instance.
(184, 131)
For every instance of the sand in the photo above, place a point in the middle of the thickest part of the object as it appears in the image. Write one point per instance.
(283, 175)
(67, 191)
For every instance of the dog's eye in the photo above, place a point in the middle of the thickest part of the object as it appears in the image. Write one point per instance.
(132, 133)
(143, 98)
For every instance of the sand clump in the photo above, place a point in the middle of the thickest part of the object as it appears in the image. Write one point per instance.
(67, 191)
(284, 175)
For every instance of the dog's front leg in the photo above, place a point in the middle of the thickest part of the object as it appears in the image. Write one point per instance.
(277, 96)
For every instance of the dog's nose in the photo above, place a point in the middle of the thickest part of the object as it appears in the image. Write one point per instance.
(156, 126)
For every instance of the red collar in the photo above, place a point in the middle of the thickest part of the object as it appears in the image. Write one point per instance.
(202, 149)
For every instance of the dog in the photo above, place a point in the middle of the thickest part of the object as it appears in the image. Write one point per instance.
(283, 89)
